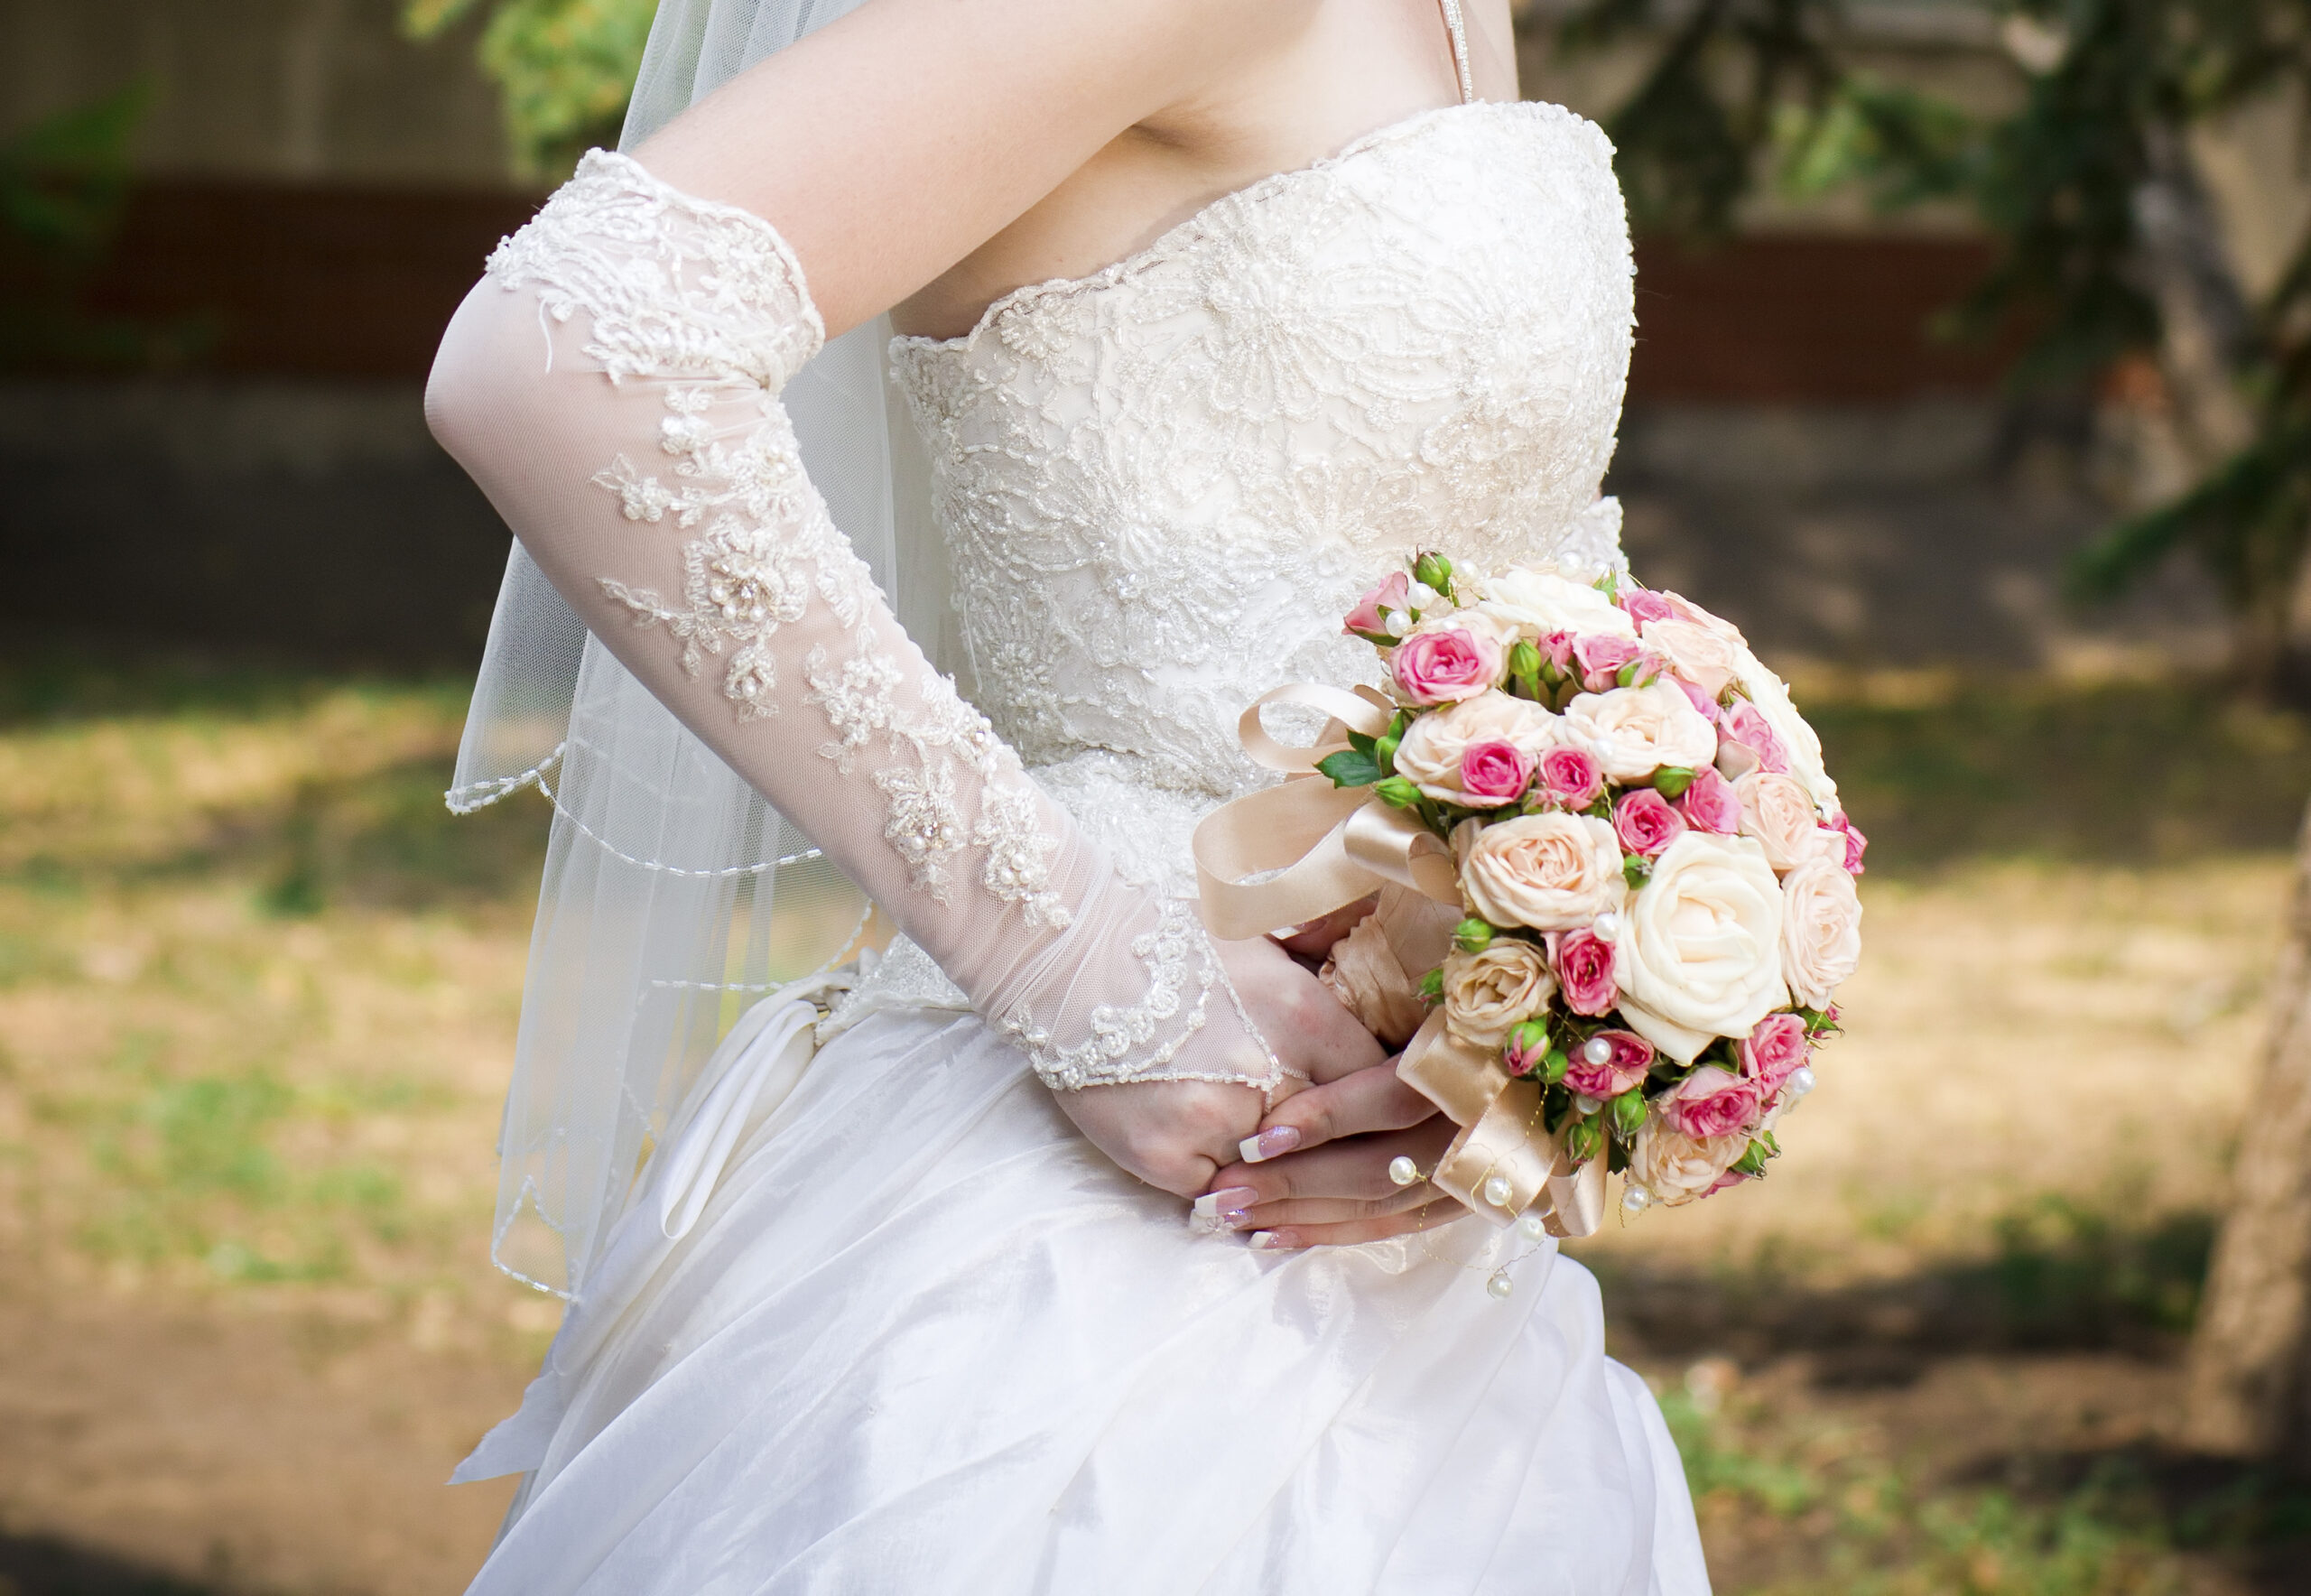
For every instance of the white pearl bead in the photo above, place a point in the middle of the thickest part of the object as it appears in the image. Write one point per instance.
(1635, 1200)
(1403, 1171)
(1606, 925)
(1533, 1227)
(1498, 1191)
(1598, 1051)
(1420, 596)
(1586, 1104)
(1500, 1284)
(1397, 623)
(1800, 1083)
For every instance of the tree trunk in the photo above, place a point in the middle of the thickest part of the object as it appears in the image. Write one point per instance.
(2249, 1389)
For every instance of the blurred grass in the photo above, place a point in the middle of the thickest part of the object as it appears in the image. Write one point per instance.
(1938, 768)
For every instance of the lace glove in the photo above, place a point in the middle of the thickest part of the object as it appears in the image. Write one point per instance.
(646, 463)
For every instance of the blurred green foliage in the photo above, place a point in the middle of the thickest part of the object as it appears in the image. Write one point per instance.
(566, 68)
(2072, 183)
(64, 183)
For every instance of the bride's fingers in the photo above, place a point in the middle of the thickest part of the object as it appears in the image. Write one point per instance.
(1329, 1211)
(1355, 1104)
(1315, 939)
(1356, 1168)
(1293, 1238)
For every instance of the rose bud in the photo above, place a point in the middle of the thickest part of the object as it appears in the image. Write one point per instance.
(1642, 605)
(1774, 1050)
(1366, 620)
(1557, 656)
(1584, 973)
(1570, 778)
(1397, 793)
(1628, 1112)
(1472, 935)
(1599, 660)
(1527, 1049)
(1710, 804)
(1607, 1064)
(1855, 842)
(1645, 823)
(1745, 726)
(1493, 774)
(1712, 1101)
(1446, 665)
(1525, 667)
(1434, 571)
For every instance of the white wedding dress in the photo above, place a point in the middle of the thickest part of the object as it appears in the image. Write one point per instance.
(921, 1336)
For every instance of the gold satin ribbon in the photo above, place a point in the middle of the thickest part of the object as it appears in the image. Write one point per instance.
(1296, 852)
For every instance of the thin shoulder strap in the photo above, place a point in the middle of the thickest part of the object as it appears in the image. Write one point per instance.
(1458, 29)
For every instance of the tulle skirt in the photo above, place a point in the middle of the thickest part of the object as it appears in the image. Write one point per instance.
(895, 1327)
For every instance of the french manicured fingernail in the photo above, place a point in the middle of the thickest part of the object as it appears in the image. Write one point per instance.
(1216, 1210)
(1273, 1142)
(1273, 1242)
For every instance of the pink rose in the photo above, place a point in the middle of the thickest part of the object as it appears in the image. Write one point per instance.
(1446, 665)
(1601, 658)
(1645, 823)
(1710, 804)
(1855, 842)
(1584, 973)
(1556, 653)
(1493, 774)
(1744, 725)
(1712, 1101)
(1572, 777)
(1729, 1178)
(1366, 618)
(1628, 1056)
(1642, 605)
(1527, 1049)
(1772, 1052)
(1703, 705)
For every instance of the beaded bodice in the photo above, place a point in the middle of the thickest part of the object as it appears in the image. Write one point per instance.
(1162, 485)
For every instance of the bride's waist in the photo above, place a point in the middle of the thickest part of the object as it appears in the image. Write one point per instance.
(1140, 809)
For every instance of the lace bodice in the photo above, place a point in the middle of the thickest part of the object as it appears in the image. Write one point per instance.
(1164, 485)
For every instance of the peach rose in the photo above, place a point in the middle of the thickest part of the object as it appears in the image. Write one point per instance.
(1695, 653)
(1677, 1168)
(1778, 812)
(1551, 872)
(1433, 745)
(1700, 952)
(1634, 731)
(1799, 745)
(1489, 993)
(1821, 936)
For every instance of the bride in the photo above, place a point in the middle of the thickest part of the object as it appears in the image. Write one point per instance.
(1056, 1249)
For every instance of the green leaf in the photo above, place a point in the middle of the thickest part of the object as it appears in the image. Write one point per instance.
(1360, 743)
(1350, 767)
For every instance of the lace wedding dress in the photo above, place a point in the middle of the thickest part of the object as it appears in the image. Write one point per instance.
(884, 1322)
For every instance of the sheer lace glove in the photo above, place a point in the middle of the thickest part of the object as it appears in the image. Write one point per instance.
(642, 457)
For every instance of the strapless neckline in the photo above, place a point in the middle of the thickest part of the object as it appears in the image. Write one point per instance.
(1207, 218)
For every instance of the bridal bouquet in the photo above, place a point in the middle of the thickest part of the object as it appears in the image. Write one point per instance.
(1654, 878)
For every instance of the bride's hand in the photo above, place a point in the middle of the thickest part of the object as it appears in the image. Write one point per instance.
(1325, 1180)
(1177, 1133)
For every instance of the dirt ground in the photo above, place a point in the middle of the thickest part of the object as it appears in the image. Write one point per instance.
(256, 1001)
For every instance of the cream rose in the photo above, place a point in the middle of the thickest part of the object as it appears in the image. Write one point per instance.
(1634, 731)
(1489, 993)
(1700, 950)
(1677, 1168)
(1430, 754)
(1707, 659)
(1778, 812)
(1532, 604)
(1551, 872)
(1766, 690)
(1821, 935)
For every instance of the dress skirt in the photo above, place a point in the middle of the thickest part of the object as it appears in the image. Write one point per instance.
(905, 1331)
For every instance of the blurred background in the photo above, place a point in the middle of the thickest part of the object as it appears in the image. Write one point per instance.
(1972, 381)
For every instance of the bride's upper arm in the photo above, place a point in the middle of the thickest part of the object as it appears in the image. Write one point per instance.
(891, 144)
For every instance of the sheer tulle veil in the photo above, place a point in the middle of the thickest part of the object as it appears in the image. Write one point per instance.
(674, 897)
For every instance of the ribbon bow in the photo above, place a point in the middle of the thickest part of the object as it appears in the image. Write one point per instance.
(1294, 852)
